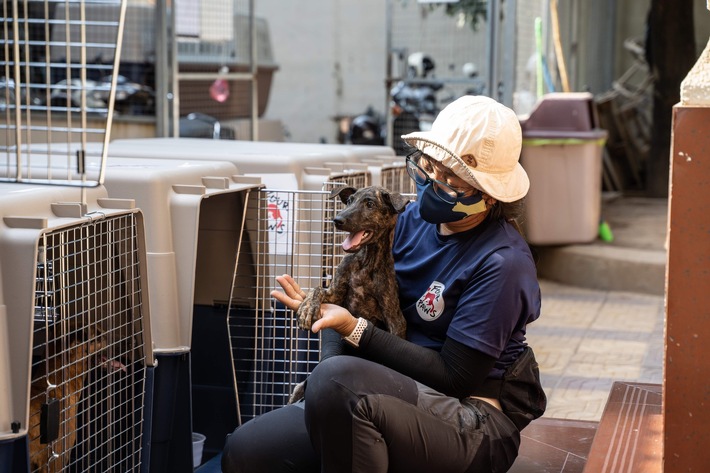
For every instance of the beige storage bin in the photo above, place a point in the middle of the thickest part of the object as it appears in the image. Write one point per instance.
(562, 154)
(563, 205)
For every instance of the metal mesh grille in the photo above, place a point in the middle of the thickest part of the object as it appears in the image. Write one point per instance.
(88, 373)
(58, 64)
(350, 179)
(454, 49)
(396, 179)
(287, 232)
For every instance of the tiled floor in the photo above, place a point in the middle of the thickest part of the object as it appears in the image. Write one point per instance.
(586, 339)
(555, 446)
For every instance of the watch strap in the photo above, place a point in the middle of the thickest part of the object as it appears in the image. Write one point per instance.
(354, 338)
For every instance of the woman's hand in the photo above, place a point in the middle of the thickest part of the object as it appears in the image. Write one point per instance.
(332, 316)
(292, 296)
(335, 317)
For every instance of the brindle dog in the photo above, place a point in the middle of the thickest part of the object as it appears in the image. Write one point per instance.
(364, 281)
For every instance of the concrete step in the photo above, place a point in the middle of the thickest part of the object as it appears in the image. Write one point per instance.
(609, 268)
(634, 261)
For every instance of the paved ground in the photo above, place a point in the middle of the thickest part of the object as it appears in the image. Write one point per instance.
(588, 338)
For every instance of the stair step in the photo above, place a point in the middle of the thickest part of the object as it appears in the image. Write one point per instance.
(629, 438)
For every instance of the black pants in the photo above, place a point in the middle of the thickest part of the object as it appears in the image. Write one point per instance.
(360, 416)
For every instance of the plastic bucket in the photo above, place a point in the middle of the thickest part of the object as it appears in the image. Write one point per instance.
(198, 443)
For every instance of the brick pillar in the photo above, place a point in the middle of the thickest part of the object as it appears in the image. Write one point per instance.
(686, 390)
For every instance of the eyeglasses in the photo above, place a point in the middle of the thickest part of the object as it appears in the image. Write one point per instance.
(442, 190)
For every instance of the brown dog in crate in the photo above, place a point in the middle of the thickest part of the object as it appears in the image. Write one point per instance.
(55, 396)
(364, 281)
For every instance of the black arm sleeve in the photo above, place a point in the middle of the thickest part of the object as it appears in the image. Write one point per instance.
(331, 344)
(456, 371)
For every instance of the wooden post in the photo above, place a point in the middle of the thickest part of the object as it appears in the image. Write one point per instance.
(686, 394)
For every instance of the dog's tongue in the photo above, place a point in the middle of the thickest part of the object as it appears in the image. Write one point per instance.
(353, 240)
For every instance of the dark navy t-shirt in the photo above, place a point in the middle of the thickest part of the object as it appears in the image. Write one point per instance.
(478, 287)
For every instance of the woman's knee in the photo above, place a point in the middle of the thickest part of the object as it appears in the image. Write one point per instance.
(246, 445)
(334, 378)
(332, 392)
(351, 378)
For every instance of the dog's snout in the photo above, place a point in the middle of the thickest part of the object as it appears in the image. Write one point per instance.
(338, 221)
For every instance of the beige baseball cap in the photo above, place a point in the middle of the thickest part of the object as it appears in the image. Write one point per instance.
(480, 140)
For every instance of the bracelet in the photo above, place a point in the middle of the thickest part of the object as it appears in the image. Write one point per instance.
(354, 338)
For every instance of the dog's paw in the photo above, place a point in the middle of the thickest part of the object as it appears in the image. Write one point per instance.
(309, 310)
(307, 314)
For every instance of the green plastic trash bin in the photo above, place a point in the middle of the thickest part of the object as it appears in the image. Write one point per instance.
(562, 154)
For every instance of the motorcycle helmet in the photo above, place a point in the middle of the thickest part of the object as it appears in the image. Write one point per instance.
(365, 130)
(419, 64)
(470, 70)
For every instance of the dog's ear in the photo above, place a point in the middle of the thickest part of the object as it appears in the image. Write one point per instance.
(395, 200)
(343, 192)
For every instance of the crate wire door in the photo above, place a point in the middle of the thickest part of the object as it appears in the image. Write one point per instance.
(58, 79)
(88, 369)
(396, 179)
(287, 232)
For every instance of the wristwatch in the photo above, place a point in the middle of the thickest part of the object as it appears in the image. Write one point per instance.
(354, 338)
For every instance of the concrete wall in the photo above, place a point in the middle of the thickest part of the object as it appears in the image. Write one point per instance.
(331, 61)
(332, 53)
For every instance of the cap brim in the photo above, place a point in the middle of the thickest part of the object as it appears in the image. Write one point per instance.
(505, 187)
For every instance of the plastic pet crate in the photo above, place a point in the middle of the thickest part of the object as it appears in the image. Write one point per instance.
(76, 336)
(292, 166)
(76, 358)
(194, 221)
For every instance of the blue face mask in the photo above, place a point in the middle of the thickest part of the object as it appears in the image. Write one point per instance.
(434, 210)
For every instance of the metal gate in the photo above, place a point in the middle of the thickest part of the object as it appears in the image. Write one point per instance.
(88, 370)
(58, 82)
(285, 232)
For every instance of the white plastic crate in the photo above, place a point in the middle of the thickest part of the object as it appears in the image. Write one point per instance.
(292, 166)
(76, 335)
(390, 172)
(280, 166)
(193, 212)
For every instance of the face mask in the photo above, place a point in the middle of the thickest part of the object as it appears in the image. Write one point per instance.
(434, 210)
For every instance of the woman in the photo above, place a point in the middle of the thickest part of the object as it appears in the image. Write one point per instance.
(454, 395)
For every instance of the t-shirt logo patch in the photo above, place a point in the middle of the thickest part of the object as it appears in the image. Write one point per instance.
(431, 305)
